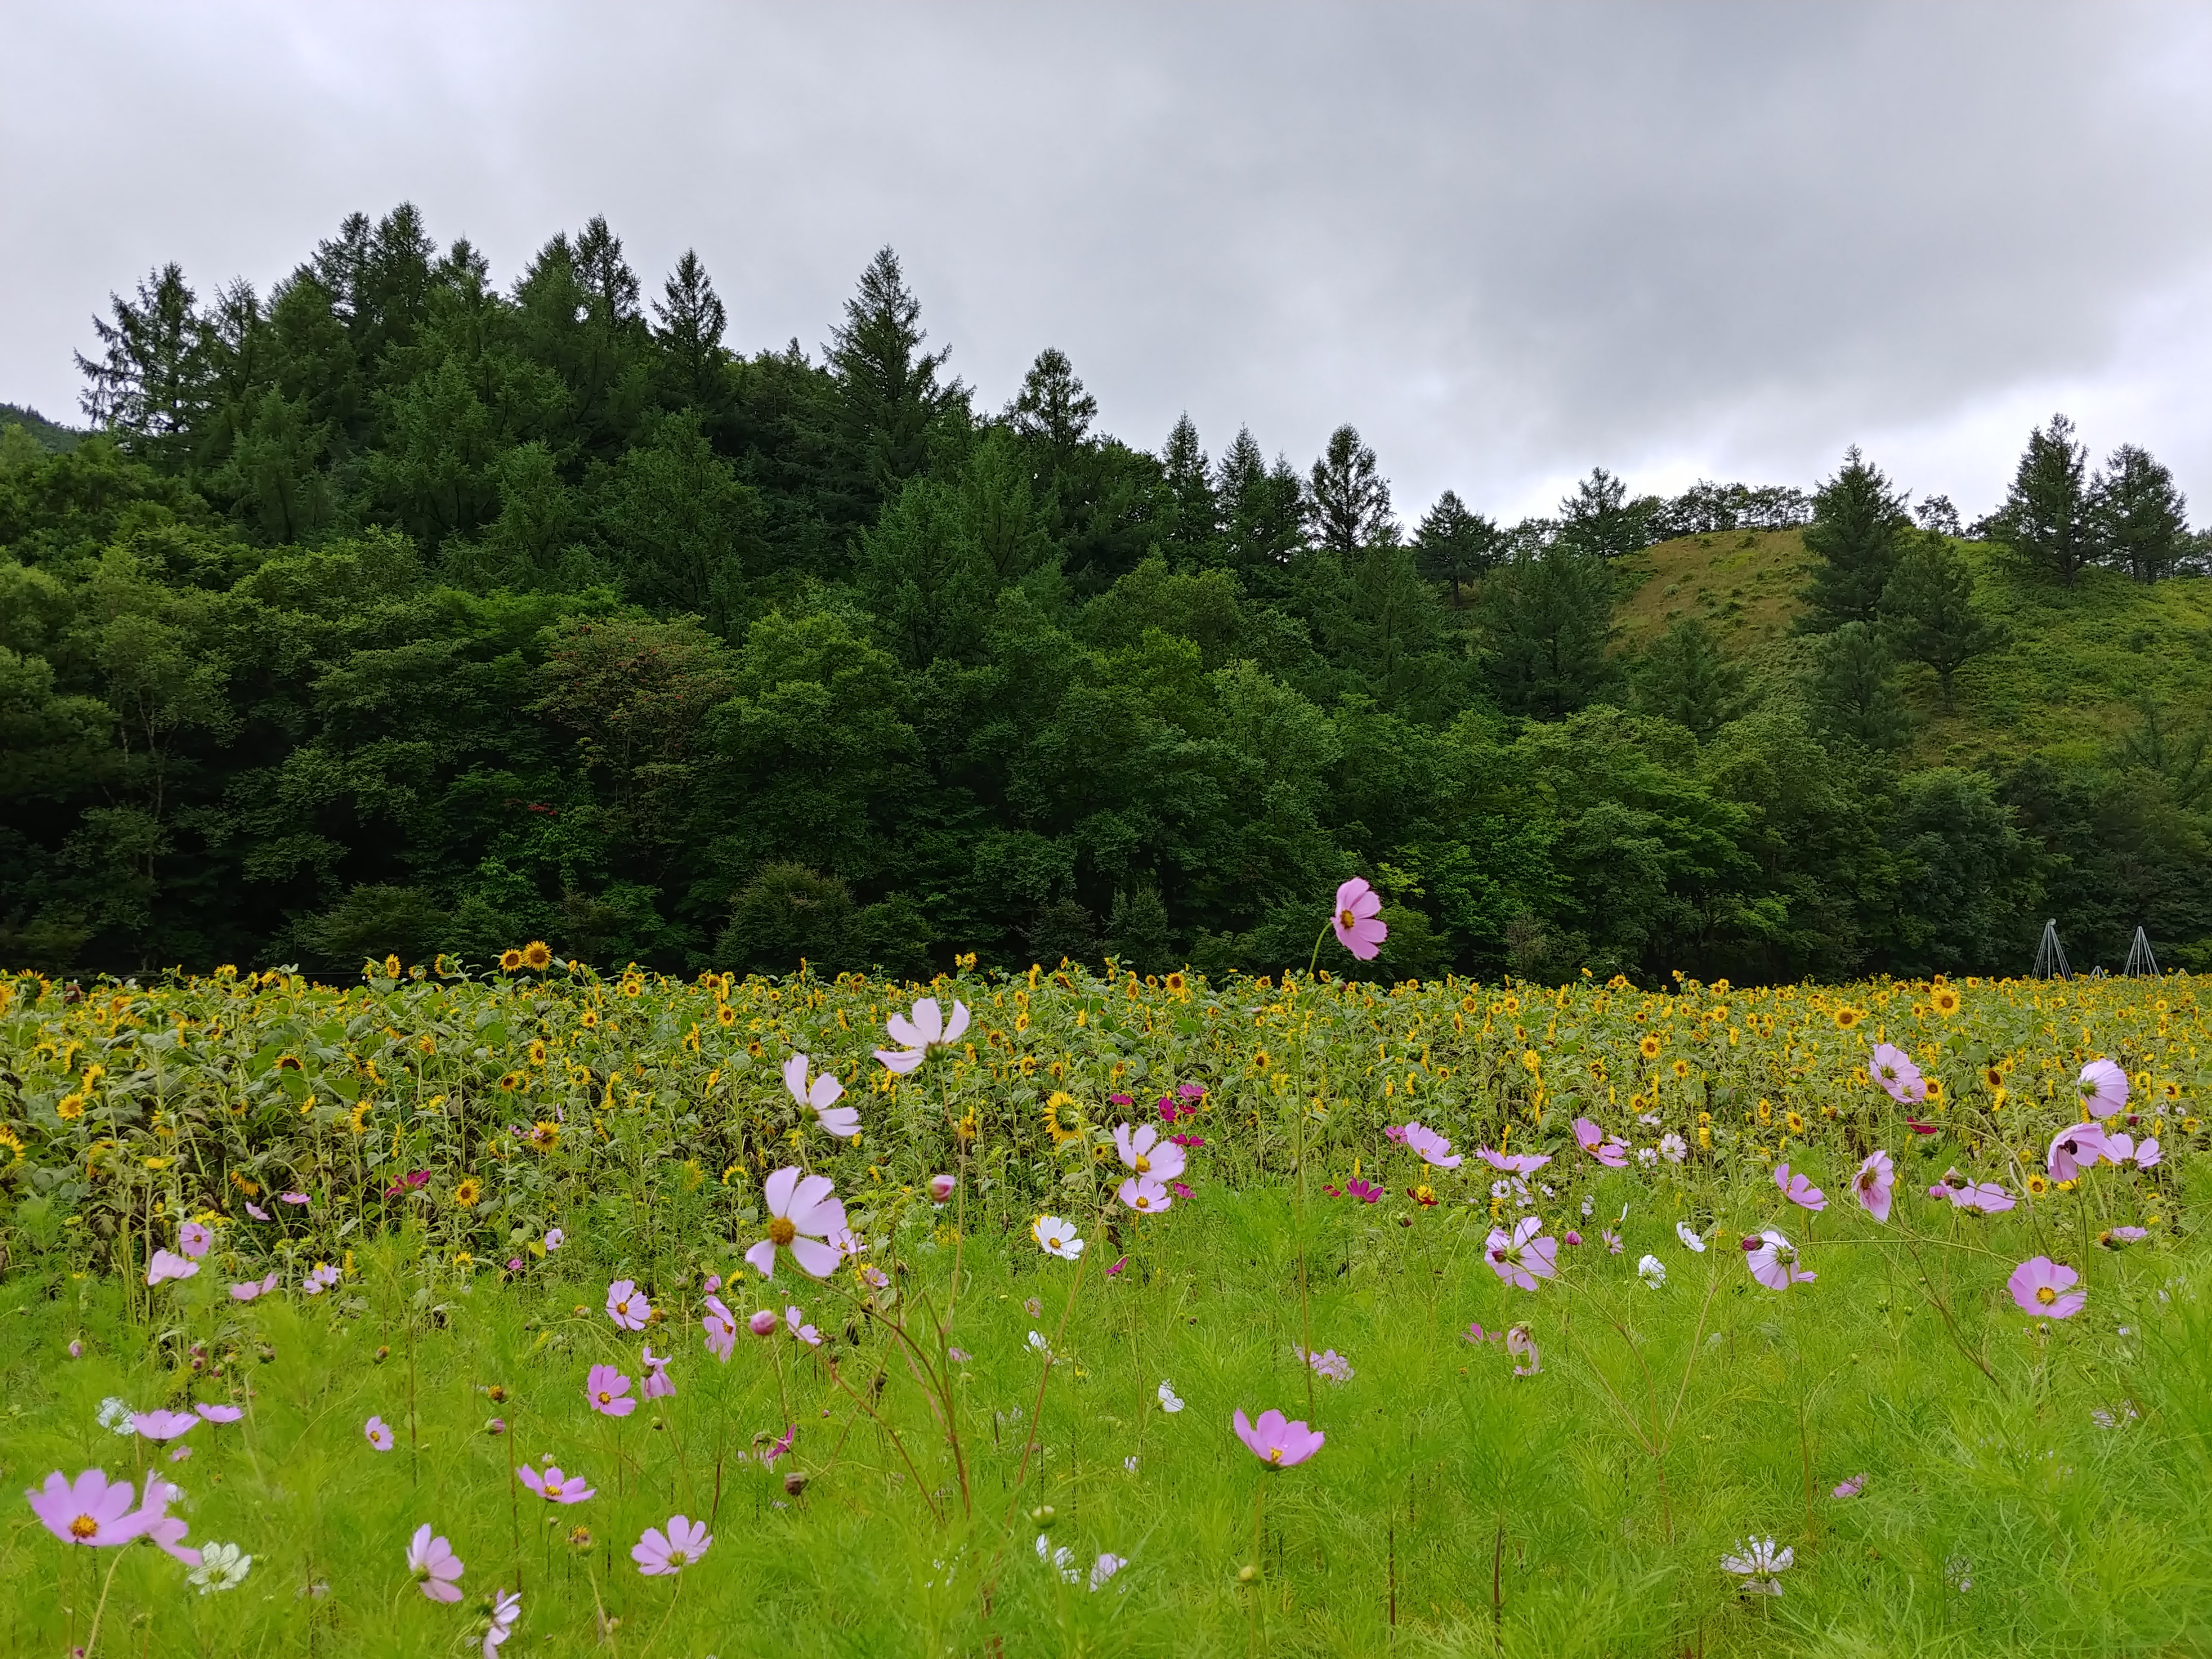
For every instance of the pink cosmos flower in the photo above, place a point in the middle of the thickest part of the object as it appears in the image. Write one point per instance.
(1521, 1258)
(220, 1414)
(433, 1565)
(1396, 1132)
(627, 1307)
(1872, 1185)
(775, 1450)
(167, 1265)
(1433, 1148)
(927, 1031)
(940, 1189)
(1276, 1442)
(2148, 1155)
(554, 1239)
(252, 1288)
(721, 1328)
(554, 1486)
(763, 1323)
(1987, 1196)
(256, 1211)
(1522, 1347)
(1612, 1242)
(821, 1098)
(801, 1216)
(1773, 1260)
(2119, 1236)
(2041, 1287)
(805, 1333)
(292, 1198)
(683, 1544)
(193, 1239)
(1366, 1191)
(1330, 1364)
(1892, 1068)
(1800, 1191)
(1515, 1164)
(1475, 1333)
(87, 1511)
(506, 1608)
(167, 1530)
(2074, 1148)
(164, 1425)
(1606, 1150)
(1357, 920)
(1155, 1162)
(1850, 1488)
(2103, 1086)
(319, 1278)
(657, 1385)
(379, 1433)
(607, 1391)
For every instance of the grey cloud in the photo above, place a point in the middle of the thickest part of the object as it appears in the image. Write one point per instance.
(1506, 241)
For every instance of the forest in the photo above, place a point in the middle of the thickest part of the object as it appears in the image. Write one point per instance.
(392, 611)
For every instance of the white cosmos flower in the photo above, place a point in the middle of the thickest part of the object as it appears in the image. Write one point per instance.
(1690, 1240)
(222, 1567)
(1652, 1271)
(1168, 1402)
(928, 1029)
(821, 1098)
(1757, 1564)
(1056, 1237)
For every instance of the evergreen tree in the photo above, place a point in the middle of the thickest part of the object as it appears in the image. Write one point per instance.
(1052, 407)
(1600, 520)
(1684, 678)
(1192, 523)
(888, 388)
(1454, 545)
(2138, 519)
(1928, 610)
(1262, 514)
(1858, 532)
(1547, 620)
(1854, 687)
(2045, 518)
(150, 385)
(676, 520)
(1348, 499)
(692, 324)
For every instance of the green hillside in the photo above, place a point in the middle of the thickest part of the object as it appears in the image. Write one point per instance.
(52, 437)
(2069, 682)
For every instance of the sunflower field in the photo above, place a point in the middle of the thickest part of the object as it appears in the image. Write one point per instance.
(1078, 1311)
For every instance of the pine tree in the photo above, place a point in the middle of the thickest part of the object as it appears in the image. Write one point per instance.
(1052, 407)
(1261, 513)
(888, 390)
(1547, 619)
(1455, 546)
(691, 323)
(2138, 519)
(1684, 678)
(1192, 523)
(1347, 500)
(150, 383)
(1854, 687)
(1858, 532)
(2045, 518)
(1599, 519)
(1928, 610)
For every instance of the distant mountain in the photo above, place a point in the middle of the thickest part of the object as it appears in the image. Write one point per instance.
(55, 438)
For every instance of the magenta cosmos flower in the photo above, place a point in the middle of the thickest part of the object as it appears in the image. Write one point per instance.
(193, 1239)
(1872, 1184)
(1275, 1440)
(2043, 1288)
(821, 1098)
(801, 1217)
(917, 1037)
(2103, 1086)
(1520, 1258)
(627, 1307)
(1519, 1163)
(164, 1425)
(1987, 1196)
(1358, 919)
(2077, 1147)
(167, 1265)
(506, 1608)
(940, 1189)
(1900, 1079)
(1433, 1148)
(553, 1486)
(220, 1414)
(683, 1544)
(165, 1530)
(378, 1433)
(90, 1509)
(252, 1288)
(1773, 1260)
(763, 1323)
(657, 1383)
(1606, 1150)
(433, 1565)
(607, 1391)
(721, 1328)
(1800, 1191)
(1153, 1161)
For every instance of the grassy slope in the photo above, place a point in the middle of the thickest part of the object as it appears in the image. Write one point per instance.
(2064, 683)
(49, 435)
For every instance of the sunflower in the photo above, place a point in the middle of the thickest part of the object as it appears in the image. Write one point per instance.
(1618, 982)
(1847, 1017)
(588, 1018)
(289, 1063)
(1175, 983)
(537, 1051)
(2169, 1089)
(754, 1049)
(466, 1194)
(2037, 1186)
(536, 957)
(510, 961)
(633, 988)
(392, 967)
(511, 1081)
(1649, 1048)
(1935, 1088)
(1993, 1077)
(1260, 1062)
(1945, 1001)
(1766, 1112)
(1796, 1123)
(725, 1015)
(545, 1136)
(1682, 1068)
(1470, 1005)
(70, 1107)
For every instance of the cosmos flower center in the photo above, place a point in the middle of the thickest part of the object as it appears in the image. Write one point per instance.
(780, 1232)
(1143, 1203)
(2045, 1295)
(605, 1396)
(1346, 919)
(1275, 1453)
(677, 1558)
(1144, 1163)
(83, 1527)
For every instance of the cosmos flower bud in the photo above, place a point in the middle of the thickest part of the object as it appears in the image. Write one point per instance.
(940, 1188)
(762, 1323)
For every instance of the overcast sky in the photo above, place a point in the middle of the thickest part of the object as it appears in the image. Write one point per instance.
(1506, 242)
